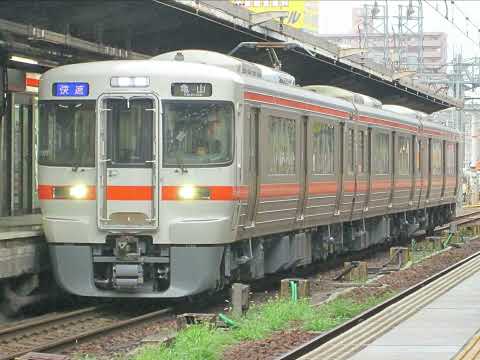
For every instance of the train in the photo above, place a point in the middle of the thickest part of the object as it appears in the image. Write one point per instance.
(178, 175)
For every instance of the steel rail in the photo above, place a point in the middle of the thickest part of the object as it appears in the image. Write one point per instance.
(341, 329)
(74, 338)
(461, 220)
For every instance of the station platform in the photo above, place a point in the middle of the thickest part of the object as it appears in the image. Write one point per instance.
(20, 227)
(447, 328)
(23, 249)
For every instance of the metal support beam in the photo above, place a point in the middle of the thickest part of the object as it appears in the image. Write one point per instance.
(263, 17)
(3, 81)
(342, 53)
(47, 36)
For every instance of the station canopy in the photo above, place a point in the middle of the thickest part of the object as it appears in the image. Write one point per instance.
(62, 32)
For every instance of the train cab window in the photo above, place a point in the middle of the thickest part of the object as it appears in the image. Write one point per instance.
(130, 129)
(436, 158)
(197, 133)
(382, 154)
(323, 148)
(66, 133)
(403, 155)
(282, 144)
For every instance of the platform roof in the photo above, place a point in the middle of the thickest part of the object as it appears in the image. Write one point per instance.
(59, 32)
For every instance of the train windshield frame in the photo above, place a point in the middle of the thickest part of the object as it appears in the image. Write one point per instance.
(198, 133)
(67, 133)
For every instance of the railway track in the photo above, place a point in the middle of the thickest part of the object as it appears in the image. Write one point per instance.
(461, 220)
(59, 330)
(350, 337)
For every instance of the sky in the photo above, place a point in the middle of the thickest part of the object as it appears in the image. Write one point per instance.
(335, 17)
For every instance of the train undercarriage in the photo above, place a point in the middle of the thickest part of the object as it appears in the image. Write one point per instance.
(131, 266)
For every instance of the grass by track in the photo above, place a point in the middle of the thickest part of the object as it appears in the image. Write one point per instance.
(204, 343)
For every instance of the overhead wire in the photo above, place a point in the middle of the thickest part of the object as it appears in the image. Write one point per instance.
(451, 21)
(467, 18)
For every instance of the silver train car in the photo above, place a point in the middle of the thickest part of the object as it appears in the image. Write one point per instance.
(174, 176)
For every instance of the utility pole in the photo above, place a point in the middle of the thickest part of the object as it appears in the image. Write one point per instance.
(375, 22)
(410, 37)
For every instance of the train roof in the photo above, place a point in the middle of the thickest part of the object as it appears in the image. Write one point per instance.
(212, 65)
(234, 64)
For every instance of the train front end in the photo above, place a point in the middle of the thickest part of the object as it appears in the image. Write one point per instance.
(137, 176)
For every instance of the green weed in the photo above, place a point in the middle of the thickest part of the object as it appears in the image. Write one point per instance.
(204, 343)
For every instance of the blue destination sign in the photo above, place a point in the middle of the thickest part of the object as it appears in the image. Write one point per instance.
(70, 89)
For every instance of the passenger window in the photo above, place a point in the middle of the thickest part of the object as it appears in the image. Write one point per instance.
(323, 148)
(403, 155)
(382, 154)
(282, 143)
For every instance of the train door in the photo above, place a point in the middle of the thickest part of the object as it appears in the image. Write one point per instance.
(444, 169)
(303, 177)
(279, 171)
(380, 194)
(403, 174)
(369, 169)
(348, 178)
(361, 172)
(393, 168)
(249, 187)
(413, 169)
(417, 179)
(429, 170)
(127, 162)
(422, 186)
(322, 163)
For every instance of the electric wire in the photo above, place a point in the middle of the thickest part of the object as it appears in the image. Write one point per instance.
(447, 18)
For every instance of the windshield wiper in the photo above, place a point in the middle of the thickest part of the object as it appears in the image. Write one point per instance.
(180, 163)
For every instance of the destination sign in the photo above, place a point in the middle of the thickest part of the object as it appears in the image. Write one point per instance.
(191, 89)
(70, 89)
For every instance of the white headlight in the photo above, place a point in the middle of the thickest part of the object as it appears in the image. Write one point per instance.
(187, 192)
(78, 191)
(130, 81)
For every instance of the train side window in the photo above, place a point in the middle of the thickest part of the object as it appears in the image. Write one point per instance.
(323, 148)
(403, 156)
(361, 152)
(436, 158)
(282, 142)
(382, 153)
(350, 150)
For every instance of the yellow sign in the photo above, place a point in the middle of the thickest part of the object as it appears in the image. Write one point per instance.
(302, 14)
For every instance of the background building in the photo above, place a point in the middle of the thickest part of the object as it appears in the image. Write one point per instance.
(302, 14)
(395, 47)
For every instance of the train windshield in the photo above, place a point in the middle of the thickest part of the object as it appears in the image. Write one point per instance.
(67, 133)
(197, 133)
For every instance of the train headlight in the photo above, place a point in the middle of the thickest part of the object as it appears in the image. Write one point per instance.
(78, 191)
(187, 192)
(192, 192)
(130, 81)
